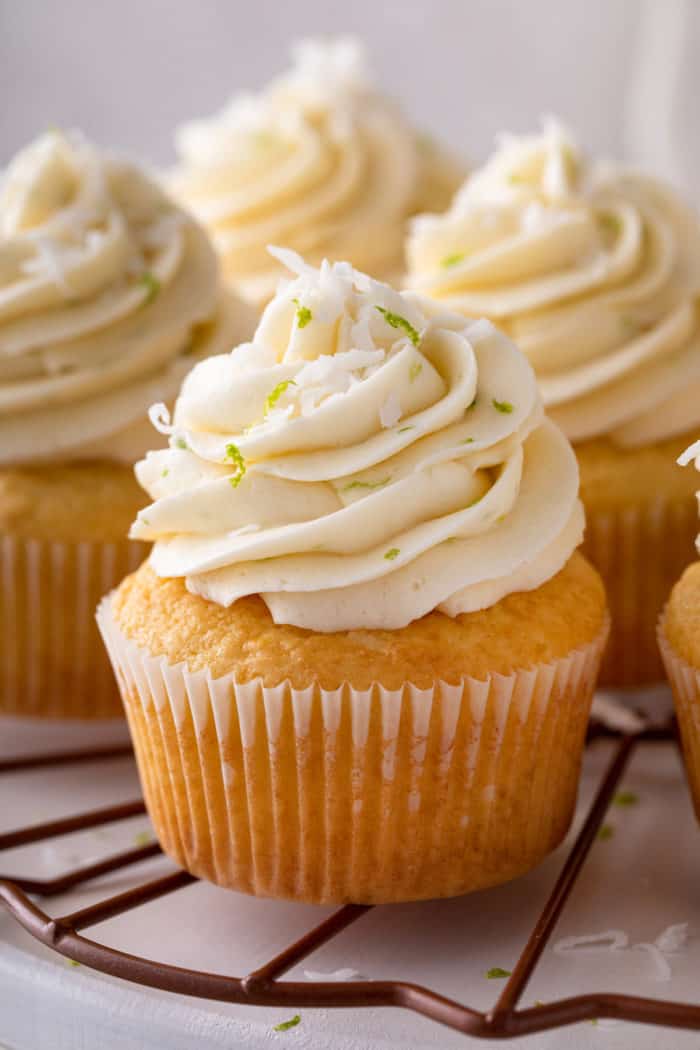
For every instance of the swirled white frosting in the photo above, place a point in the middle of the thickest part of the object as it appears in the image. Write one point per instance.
(318, 161)
(360, 463)
(108, 291)
(595, 273)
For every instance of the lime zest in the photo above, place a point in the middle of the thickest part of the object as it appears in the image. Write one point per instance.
(397, 321)
(392, 553)
(303, 315)
(234, 454)
(606, 832)
(502, 406)
(284, 1026)
(366, 484)
(626, 798)
(276, 393)
(414, 371)
(151, 284)
(453, 260)
(497, 973)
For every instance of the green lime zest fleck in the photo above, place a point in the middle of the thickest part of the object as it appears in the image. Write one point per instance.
(467, 441)
(367, 484)
(626, 798)
(497, 973)
(304, 315)
(593, 1020)
(606, 832)
(415, 370)
(164, 472)
(391, 554)
(180, 443)
(234, 454)
(152, 285)
(453, 260)
(473, 405)
(609, 223)
(144, 838)
(144, 520)
(73, 962)
(274, 395)
(404, 429)
(502, 406)
(397, 321)
(284, 1026)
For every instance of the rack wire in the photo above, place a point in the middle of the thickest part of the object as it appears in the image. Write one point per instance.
(263, 986)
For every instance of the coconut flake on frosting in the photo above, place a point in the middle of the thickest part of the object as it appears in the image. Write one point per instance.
(108, 292)
(338, 514)
(594, 271)
(319, 160)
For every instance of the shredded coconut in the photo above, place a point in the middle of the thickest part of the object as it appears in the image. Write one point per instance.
(663, 967)
(673, 938)
(593, 943)
(614, 715)
(334, 975)
(159, 416)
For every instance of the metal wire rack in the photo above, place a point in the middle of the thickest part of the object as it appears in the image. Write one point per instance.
(264, 986)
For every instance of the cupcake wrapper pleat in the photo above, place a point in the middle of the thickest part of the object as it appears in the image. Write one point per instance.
(685, 684)
(640, 552)
(53, 663)
(356, 795)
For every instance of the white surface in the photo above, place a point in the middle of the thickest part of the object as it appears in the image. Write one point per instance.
(624, 73)
(642, 880)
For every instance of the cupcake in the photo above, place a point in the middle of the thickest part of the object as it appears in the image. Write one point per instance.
(679, 641)
(594, 271)
(108, 294)
(319, 161)
(359, 663)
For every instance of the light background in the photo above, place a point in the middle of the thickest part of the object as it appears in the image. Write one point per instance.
(623, 73)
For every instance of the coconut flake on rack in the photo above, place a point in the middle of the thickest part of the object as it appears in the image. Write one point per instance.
(673, 938)
(593, 943)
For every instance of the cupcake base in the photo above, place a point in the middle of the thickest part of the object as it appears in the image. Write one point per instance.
(370, 795)
(685, 684)
(52, 663)
(640, 552)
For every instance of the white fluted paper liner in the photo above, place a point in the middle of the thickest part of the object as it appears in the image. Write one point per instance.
(640, 552)
(685, 685)
(362, 795)
(52, 662)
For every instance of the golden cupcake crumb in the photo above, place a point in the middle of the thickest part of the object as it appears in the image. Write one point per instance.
(520, 631)
(68, 502)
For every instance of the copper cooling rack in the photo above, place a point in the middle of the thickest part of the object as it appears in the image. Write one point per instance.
(263, 986)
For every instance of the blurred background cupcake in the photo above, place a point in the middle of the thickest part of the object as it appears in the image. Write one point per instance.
(109, 293)
(319, 161)
(679, 641)
(360, 660)
(595, 272)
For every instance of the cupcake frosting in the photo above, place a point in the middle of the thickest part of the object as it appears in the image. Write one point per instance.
(364, 460)
(594, 271)
(318, 161)
(108, 291)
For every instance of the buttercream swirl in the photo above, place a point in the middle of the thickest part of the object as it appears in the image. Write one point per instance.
(108, 293)
(595, 273)
(363, 461)
(319, 161)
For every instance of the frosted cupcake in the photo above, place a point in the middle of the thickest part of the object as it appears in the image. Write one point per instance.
(108, 294)
(679, 641)
(595, 273)
(319, 161)
(359, 663)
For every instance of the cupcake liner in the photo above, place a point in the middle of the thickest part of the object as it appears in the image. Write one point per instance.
(640, 552)
(53, 663)
(685, 684)
(356, 795)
